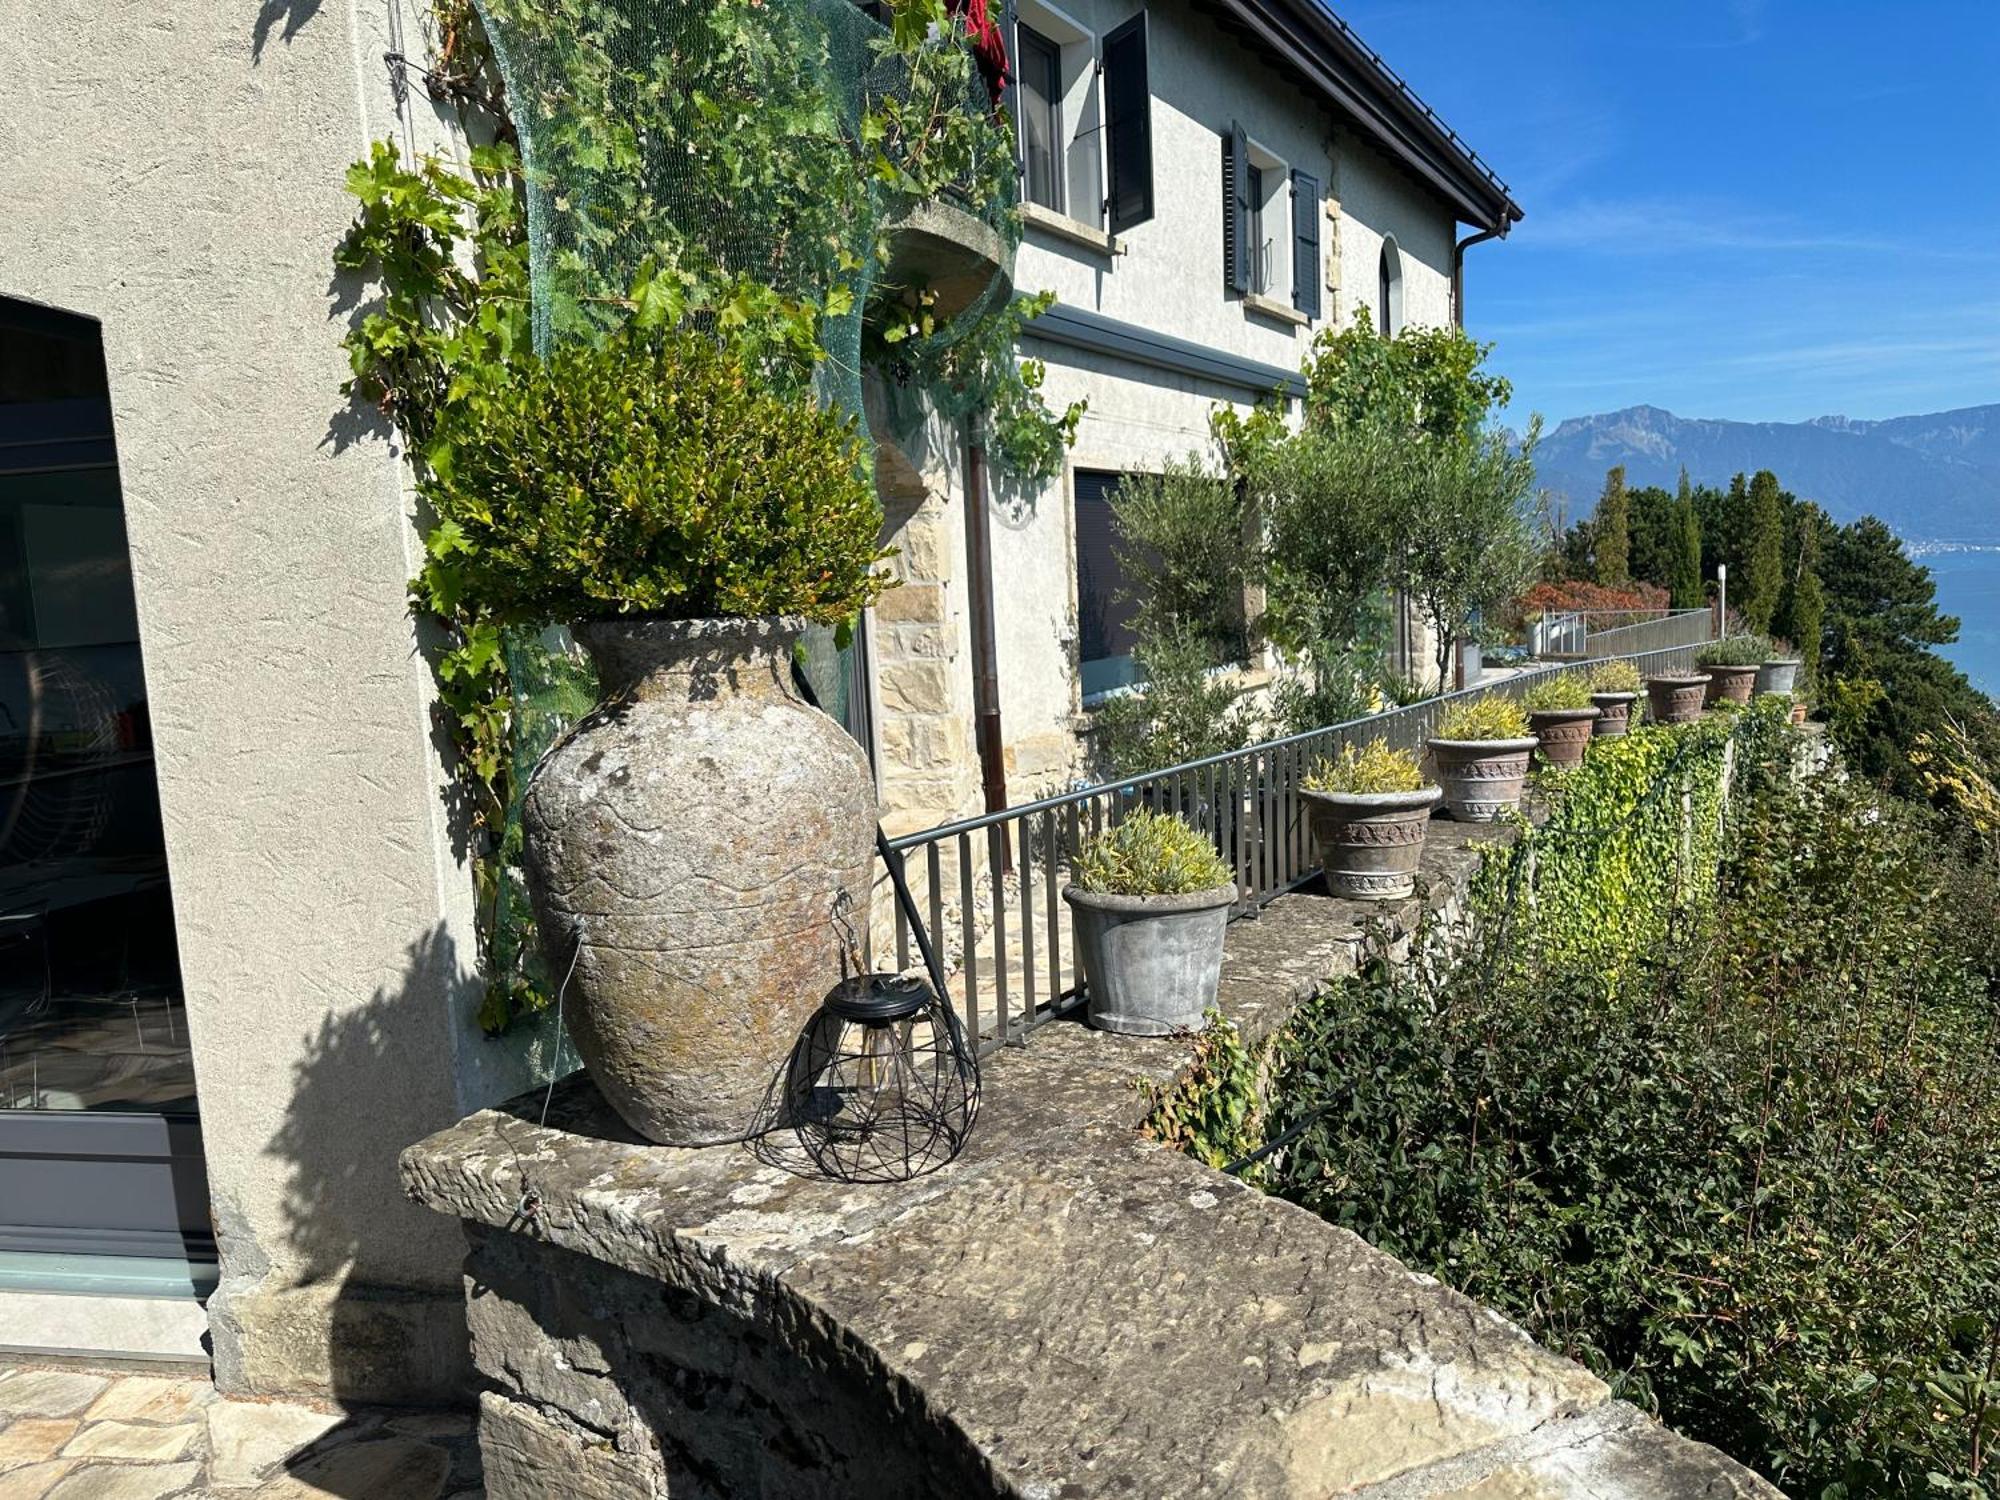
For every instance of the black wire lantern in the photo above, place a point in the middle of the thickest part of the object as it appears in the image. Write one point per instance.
(882, 1086)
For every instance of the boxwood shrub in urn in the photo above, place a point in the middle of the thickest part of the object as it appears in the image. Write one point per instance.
(1561, 716)
(686, 842)
(1481, 755)
(1149, 898)
(1370, 812)
(1614, 688)
(1732, 665)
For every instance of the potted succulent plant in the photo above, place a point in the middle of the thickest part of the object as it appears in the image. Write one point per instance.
(1614, 688)
(1149, 898)
(1481, 756)
(1369, 811)
(1561, 716)
(1731, 664)
(1779, 672)
(687, 521)
(1676, 697)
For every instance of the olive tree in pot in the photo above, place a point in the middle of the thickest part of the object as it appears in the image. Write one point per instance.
(1779, 671)
(1732, 665)
(1614, 688)
(1481, 757)
(1149, 898)
(1369, 812)
(686, 842)
(1561, 716)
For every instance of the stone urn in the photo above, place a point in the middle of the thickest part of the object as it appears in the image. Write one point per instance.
(1370, 843)
(1564, 734)
(685, 847)
(1777, 676)
(1731, 684)
(1614, 714)
(1482, 779)
(1676, 697)
(1151, 964)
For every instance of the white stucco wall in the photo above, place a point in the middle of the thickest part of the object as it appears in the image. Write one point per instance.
(1377, 199)
(176, 172)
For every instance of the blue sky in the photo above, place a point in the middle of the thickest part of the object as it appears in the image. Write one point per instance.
(1735, 208)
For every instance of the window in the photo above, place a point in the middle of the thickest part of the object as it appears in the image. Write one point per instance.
(1389, 291)
(1105, 637)
(1259, 258)
(1040, 66)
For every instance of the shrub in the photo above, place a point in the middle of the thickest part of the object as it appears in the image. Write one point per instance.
(651, 473)
(1616, 676)
(1487, 717)
(1149, 854)
(1557, 690)
(1570, 594)
(1183, 710)
(1374, 769)
(1734, 651)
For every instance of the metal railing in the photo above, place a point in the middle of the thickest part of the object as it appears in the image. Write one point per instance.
(1680, 627)
(1572, 632)
(991, 886)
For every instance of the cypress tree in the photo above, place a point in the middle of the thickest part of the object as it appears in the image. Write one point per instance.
(1614, 531)
(1802, 606)
(1684, 581)
(1763, 552)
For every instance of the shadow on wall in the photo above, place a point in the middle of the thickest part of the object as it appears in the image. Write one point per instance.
(293, 13)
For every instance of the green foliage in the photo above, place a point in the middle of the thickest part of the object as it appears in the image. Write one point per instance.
(1213, 1108)
(1149, 854)
(1423, 380)
(1323, 495)
(1375, 768)
(1801, 611)
(1490, 716)
(1615, 676)
(1557, 690)
(649, 473)
(1184, 709)
(1187, 552)
(1683, 578)
(1614, 530)
(1762, 575)
(1739, 650)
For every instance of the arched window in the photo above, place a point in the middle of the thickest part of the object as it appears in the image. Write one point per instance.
(1389, 291)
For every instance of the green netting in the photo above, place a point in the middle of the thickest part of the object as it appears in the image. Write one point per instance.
(750, 162)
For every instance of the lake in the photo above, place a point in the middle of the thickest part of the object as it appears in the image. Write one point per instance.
(1968, 585)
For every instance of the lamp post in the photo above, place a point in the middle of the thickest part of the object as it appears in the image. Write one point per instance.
(1722, 612)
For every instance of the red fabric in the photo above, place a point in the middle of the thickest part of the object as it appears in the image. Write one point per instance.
(989, 46)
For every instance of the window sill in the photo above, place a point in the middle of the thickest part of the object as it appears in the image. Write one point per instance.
(1272, 308)
(1063, 227)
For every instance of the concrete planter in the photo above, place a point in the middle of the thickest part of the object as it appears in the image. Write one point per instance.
(1676, 697)
(1482, 778)
(1730, 684)
(1151, 964)
(1564, 734)
(1370, 843)
(1777, 676)
(1614, 714)
(957, 259)
(684, 848)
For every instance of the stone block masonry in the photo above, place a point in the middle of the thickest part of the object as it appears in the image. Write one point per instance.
(1069, 1310)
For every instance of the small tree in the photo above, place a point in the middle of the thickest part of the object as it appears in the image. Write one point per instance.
(1614, 531)
(1763, 552)
(1684, 581)
(1187, 553)
(1800, 616)
(1183, 710)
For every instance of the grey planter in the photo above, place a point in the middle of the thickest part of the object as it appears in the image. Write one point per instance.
(1482, 779)
(1564, 734)
(1151, 964)
(1676, 697)
(1777, 676)
(695, 830)
(1614, 714)
(1370, 843)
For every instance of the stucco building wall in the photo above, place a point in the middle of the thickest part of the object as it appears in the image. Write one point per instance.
(179, 177)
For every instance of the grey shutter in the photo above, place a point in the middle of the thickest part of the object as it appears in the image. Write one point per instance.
(1305, 244)
(1236, 209)
(1128, 125)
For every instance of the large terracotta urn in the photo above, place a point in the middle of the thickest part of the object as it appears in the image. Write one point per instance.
(687, 843)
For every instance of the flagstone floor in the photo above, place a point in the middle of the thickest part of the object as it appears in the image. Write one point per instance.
(73, 1434)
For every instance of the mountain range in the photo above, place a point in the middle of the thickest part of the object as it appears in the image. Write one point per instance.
(1931, 478)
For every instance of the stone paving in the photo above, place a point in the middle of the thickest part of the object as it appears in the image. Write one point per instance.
(76, 1434)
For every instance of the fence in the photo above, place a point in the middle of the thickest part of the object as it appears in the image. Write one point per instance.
(1015, 968)
(1594, 634)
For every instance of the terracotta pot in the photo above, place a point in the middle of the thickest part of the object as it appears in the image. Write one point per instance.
(1614, 714)
(1798, 713)
(1778, 676)
(1564, 734)
(1370, 843)
(1482, 779)
(695, 829)
(1730, 684)
(1151, 964)
(1676, 697)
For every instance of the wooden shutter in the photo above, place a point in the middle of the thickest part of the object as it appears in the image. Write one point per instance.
(1305, 244)
(1128, 125)
(1236, 247)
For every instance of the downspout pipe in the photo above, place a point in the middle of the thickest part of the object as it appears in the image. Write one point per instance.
(1458, 270)
(985, 651)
